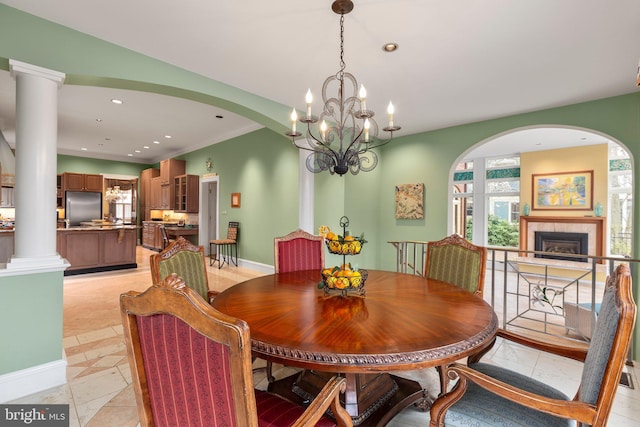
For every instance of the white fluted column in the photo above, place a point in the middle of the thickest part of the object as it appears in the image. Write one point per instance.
(305, 193)
(36, 164)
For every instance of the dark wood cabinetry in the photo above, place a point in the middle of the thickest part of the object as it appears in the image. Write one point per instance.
(152, 236)
(72, 181)
(102, 249)
(59, 192)
(170, 168)
(147, 191)
(186, 189)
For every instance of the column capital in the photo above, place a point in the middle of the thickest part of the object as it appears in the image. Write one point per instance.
(17, 67)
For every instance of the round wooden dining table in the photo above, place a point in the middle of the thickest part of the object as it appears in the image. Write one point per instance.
(402, 322)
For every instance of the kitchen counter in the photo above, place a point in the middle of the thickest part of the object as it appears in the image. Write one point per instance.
(105, 227)
(90, 249)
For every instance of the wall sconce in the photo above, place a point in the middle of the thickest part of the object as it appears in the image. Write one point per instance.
(209, 164)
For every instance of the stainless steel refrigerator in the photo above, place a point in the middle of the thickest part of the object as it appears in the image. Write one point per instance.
(82, 206)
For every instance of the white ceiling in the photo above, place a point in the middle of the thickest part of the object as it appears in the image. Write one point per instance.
(459, 61)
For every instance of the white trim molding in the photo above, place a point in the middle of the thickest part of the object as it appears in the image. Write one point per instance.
(18, 384)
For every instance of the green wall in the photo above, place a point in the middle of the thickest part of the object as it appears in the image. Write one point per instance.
(261, 166)
(31, 319)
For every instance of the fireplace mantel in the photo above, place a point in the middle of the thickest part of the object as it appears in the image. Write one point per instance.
(593, 225)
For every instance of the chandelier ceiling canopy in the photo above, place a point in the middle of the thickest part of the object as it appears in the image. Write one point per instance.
(342, 137)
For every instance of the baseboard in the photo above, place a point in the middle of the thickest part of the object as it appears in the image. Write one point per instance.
(257, 266)
(18, 384)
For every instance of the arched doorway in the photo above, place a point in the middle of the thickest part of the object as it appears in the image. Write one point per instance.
(491, 183)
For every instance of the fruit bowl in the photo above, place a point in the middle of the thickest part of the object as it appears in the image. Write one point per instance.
(340, 246)
(343, 280)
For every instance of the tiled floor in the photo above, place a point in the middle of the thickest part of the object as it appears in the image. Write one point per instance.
(99, 382)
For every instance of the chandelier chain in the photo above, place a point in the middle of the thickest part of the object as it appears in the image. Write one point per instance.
(342, 63)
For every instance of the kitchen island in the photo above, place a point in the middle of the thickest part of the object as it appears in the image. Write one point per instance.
(91, 249)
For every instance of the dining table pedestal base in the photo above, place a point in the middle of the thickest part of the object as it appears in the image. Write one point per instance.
(371, 399)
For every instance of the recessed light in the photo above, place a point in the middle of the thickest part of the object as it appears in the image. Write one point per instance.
(117, 101)
(156, 142)
(137, 151)
(146, 147)
(130, 155)
(168, 136)
(390, 47)
(84, 148)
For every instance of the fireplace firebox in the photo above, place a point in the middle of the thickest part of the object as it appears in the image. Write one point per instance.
(555, 244)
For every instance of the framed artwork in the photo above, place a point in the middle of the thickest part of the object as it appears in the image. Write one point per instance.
(562, 191)
(235, 200)
(410, 201)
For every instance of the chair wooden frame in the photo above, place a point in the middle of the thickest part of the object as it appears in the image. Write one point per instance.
(456, 240)
(179, 245)
(297, 234)
(174, 298)
(583, 412)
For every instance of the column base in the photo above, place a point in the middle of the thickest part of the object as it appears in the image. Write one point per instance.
(37, 264)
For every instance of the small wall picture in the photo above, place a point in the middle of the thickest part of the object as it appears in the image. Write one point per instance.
(235, 200)
(410, 201)
(562, 191)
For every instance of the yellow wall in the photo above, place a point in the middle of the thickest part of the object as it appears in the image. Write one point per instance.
(591, 157)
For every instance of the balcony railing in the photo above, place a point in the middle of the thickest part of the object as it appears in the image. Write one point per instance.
(559, 298)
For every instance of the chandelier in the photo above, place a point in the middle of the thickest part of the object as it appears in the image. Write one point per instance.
(113, 194)
(342, 137)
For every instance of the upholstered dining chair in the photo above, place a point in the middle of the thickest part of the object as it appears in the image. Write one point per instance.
(297, 251)
(457, 261)
(166, 241)
(191, 365)
(225, 250)
(188, 261)
(491, 395)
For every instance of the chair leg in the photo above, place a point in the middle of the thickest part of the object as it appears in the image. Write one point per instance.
(212, 254)
(270, 376)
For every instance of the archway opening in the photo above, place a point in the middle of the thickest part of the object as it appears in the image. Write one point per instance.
(492, 184)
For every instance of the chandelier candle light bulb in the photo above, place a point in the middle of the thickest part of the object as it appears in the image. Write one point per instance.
(390, 111)
(294, 119)
(363, 98)
(309, 99)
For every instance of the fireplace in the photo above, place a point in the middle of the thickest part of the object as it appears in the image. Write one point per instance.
(555, 244)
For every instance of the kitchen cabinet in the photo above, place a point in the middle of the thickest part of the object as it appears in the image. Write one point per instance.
(97, 250)
(7, 198)
(186, 193)
(170, 168)
(152, 236)
(166, 195)
(6, 245)
(156, 185)
(82, 182)
(59, 192)
(146, 192)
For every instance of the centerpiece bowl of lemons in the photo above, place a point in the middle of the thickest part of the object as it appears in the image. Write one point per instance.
(344, 245)
(344, 278)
